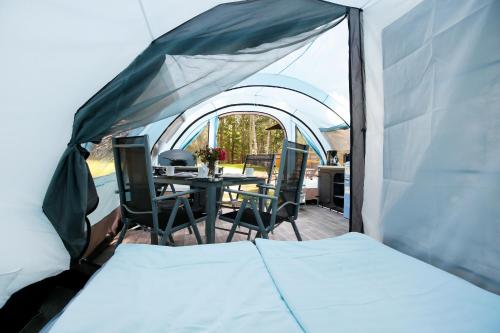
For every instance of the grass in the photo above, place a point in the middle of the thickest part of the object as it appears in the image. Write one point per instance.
(232, 168)
(99, 168)
(238, 168)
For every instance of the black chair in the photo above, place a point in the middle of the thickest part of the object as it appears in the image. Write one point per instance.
(181, 158)
(139, 203)
(284, 202)
(264, 162)
(259, 162)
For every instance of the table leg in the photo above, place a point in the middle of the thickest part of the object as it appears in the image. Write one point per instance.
(211, 214)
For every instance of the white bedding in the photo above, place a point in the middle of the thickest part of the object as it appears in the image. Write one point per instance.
(355, 284)
(208, 288)
(345, 284)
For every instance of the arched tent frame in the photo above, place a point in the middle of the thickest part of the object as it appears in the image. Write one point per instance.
(188, 136)
(288, 123)
(258, 94)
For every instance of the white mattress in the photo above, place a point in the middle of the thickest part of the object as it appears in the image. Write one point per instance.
(207, 288)
(355, 284)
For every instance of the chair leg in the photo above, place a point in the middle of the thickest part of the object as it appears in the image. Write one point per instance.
(249, 235)
(154, 237)
(262, 229)
(231, 200)
(168, 229)
(197, 234)
(171, 239)
(155, 232)
(192, 221)
(236, 221)
(231, 233)
(296, 230)
(122, 232)
(190, 230)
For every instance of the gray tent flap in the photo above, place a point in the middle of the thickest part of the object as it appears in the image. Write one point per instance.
(201, 58)
(358, 118)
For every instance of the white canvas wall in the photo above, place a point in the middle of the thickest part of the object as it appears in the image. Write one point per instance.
(376, 16)
(55, 55)
(441, 137)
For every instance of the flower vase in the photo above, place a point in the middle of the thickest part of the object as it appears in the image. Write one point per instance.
(211, 169)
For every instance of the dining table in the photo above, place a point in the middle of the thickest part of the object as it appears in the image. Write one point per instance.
(210, 185)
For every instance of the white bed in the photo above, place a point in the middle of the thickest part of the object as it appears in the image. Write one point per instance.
(346, 284)
(355, 284)
(207, 288)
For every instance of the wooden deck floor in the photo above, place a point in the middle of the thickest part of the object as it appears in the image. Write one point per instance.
(314, 223)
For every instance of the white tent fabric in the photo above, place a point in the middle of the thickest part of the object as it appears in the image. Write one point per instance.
(58, 54)
(299, 71)
(331, 76)
(441, 138)
(56, 57)
(376, 17)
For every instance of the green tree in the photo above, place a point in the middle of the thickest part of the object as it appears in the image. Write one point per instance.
(242, 134)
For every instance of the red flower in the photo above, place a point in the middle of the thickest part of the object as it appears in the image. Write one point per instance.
(222, 154)
(211, 154)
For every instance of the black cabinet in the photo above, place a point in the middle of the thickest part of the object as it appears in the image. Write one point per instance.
(331, 187)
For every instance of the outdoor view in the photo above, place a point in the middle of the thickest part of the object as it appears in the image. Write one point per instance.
(244, 134)
(241, 135)
(101, 161)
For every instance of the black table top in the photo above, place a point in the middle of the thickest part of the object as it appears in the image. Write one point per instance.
(188, 179)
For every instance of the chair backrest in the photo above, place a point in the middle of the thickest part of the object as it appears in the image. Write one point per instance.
(134, 173)
(176, 157)
(291, 177)
(259, 162)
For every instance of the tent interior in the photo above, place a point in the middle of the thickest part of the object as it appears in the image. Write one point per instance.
(405, 93)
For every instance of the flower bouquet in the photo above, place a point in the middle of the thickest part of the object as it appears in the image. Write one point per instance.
(210, 156)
